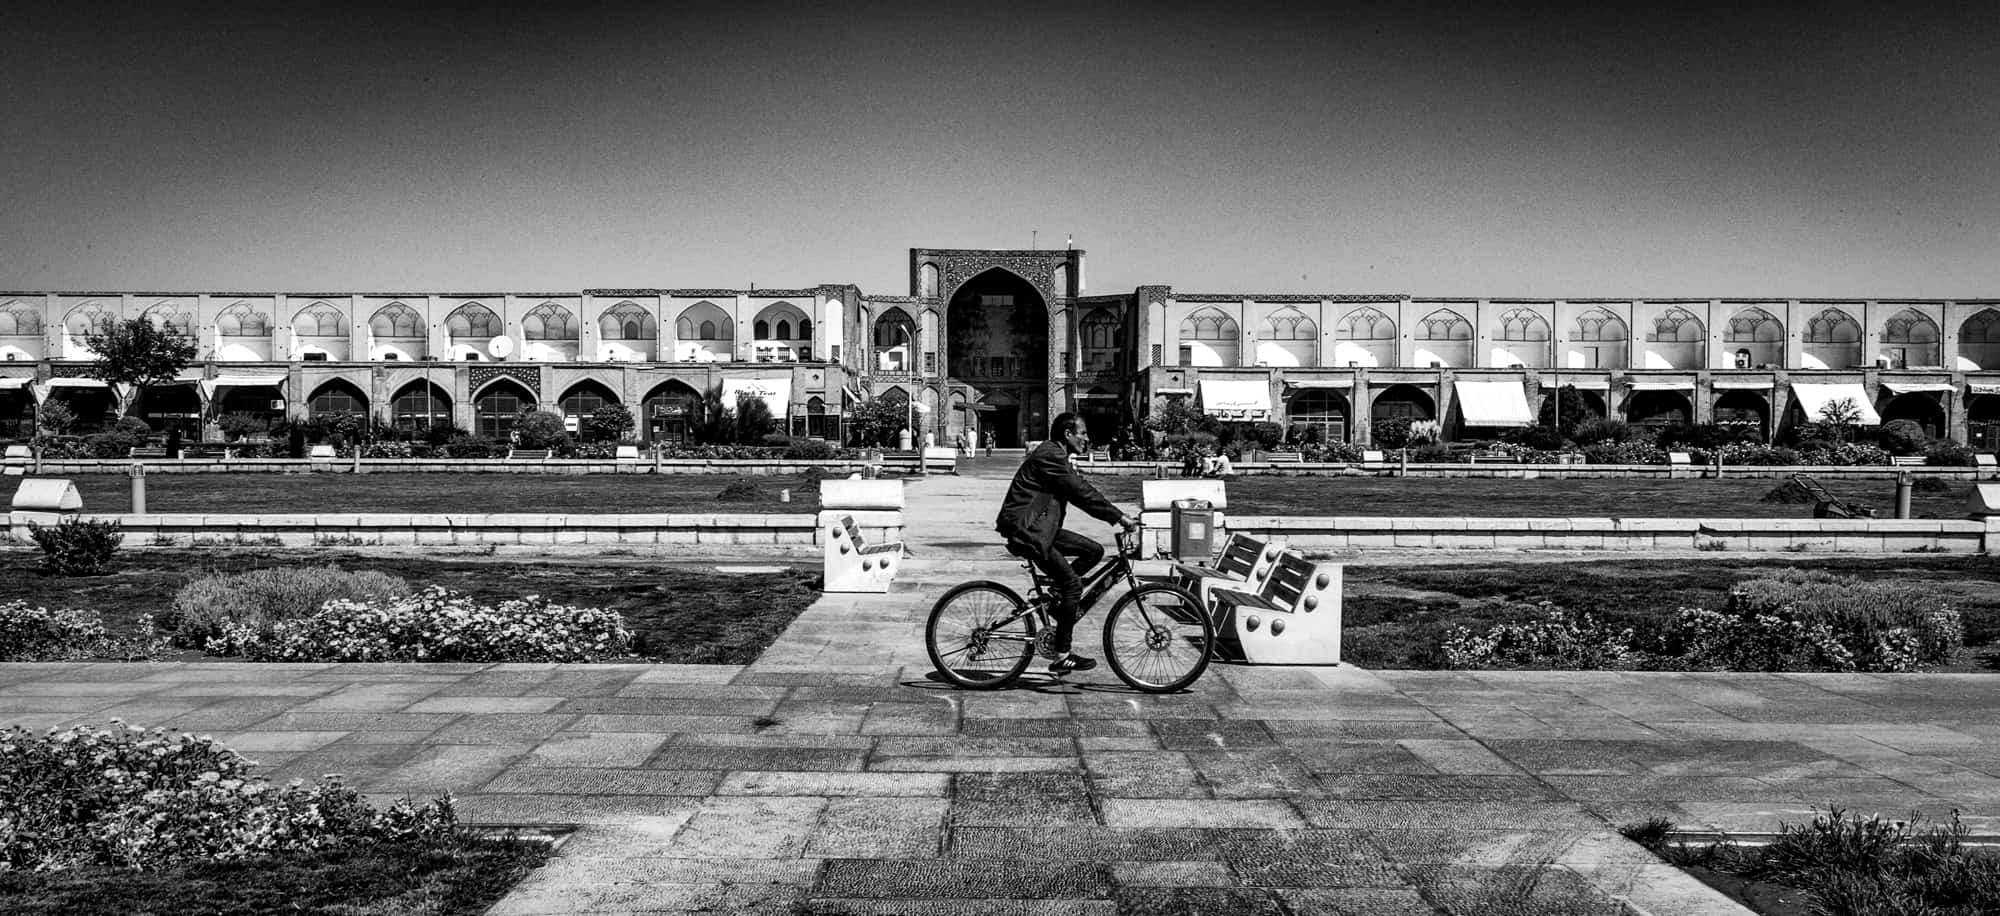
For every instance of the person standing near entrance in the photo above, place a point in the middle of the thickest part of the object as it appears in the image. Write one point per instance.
(1031, 519)
(989, 443)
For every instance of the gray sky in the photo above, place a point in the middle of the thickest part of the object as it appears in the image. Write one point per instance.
(1441, 149)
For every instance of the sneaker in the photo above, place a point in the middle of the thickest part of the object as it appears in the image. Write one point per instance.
(1071, 663)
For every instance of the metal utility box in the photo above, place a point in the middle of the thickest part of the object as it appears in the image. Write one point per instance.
(1193, 530)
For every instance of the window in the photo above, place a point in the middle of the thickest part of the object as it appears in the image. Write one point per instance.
(784, 330)
(495, 412)
(582, 402)
(549, 321)
(761, 330)
(240, 320)
(805, 329)
(19, 320)
(708, 331)
(627, 321)
(1599, 324)
(1677, 325)
(320, 320)
(473, 321)
(396, 320)
(335, 400)
(420, 407)
(1522, 325)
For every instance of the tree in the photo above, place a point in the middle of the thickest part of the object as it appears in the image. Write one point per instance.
(1175, 417)
(1840, 416)
(873, 422)
(754, 420)
(1575, 410)
(610, 422)
(55, 418)
(540, 429)
(135, 353)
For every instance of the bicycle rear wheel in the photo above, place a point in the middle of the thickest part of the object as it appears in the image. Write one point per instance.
(980, 635)
(1158, 638)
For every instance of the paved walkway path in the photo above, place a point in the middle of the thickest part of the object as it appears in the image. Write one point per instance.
(835, 776)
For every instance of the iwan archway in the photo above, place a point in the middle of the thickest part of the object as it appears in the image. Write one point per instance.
(997, 344)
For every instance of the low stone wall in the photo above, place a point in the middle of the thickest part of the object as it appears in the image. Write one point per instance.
(760, 533)
(906, 464)
(1878, 536)
(1544, 471)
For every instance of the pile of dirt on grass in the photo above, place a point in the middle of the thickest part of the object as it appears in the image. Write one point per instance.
(741, 491)
(1790, 492)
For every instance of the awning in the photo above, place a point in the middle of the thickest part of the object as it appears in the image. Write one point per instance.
(1488, 402)
(1978, 388)
(1813, 398)
(1226, 396)
(1580, 384)
(776, 391)
(210, 385)
(1319, 383)
(1671, 383)
(9, 384)
(1173, 391)
(1901, 387)
(1741, 384)
(1097, 396)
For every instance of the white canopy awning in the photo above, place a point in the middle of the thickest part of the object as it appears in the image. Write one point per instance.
(1902, 387)
(209, 386)
(1238, 396)
(1654, 383)
(9, 384)
(1813, 398)
(77, 383)
(1978, 388)
(1319, 383)
(1741, 384)
(1583, 383)
(1493, 402)
(1173, 391)
(776, 390)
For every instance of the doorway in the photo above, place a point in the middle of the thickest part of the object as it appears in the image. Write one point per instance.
(1006, 426)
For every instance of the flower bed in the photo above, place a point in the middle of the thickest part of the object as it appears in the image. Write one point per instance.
(435, 624)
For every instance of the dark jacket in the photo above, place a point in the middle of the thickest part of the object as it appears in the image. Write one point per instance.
(1047, 472)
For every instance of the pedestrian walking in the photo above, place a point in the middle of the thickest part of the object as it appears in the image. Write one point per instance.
(989, 443)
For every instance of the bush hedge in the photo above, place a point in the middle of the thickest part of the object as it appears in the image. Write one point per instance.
(35, 634)
(1792, 621)
(208, 607)
(439, 625)
(137, 798)
(77, 547)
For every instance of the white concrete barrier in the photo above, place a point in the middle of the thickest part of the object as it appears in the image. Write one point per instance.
(939, 460)
(17, 460)
(856, 521)
(43, 501)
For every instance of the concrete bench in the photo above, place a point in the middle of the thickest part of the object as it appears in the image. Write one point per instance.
(204, 452)
(1294, 619)
(17, 460)
(43, 501)
(1244, 564)
(148, 452)
(1284, 457)
(1906, 461)
(321, 452)
(527, 454)
(939, 460)
(1490, 458)
(852, 561)
(626, 453)
(1372, 460)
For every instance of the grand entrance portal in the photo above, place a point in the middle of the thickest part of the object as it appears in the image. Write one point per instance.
(997, 344)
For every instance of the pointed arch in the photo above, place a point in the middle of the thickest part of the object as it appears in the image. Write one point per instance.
(1677, 325)
(1757, 338)
(1364, 336)
(320, 319)
(396, 320)
(1979, 342)
(1522, 325)
(627, 321)
(1321, 410)
(171, 316)
(243, 320)
(927, 280)
(1833, 340)
(669, 412)
(472, 322)
(549, 321)
(895, 337)
(1444, 338)
(1210, 337)
(336, 397)
(704, 334)
(1101, 340)
(1288, 338)
(1911, 338)
(775, 333)
(583, 398)
(420, 405)
(496, 407)
(1444, 324)
(89, 318)
(19, 319)
(1600, 341)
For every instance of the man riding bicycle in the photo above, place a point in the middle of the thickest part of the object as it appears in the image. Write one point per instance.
(1031, 519)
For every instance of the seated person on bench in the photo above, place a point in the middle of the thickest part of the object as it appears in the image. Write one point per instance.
(1217, 466)
(1031, 519)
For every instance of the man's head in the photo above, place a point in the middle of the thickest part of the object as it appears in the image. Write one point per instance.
(1068, 429)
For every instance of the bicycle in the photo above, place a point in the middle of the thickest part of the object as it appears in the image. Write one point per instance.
(1157, 638)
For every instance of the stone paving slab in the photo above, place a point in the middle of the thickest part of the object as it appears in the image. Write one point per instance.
(835, 773)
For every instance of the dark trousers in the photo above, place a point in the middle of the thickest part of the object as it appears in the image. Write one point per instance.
(1065, 574)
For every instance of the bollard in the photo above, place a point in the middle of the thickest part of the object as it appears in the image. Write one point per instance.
(785, 496)
(1905, 482)
(138, 473)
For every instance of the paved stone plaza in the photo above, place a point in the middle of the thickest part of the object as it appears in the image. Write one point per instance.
(834, 775)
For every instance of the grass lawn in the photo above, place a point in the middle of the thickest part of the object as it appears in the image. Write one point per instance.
(678, 612)
(380, 880)
(1395, 616)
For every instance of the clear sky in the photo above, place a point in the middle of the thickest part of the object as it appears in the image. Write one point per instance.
(1451, 149)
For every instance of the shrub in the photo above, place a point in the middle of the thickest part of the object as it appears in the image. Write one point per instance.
(1553, 638)
(1390, 432)
(809, 449)
(212, 605)
(1433, 453)
(1816, 621)
(146, 799)
(1949, 454)
(1611, 451)
(1902, 437)
(114, 444)
(237, 425)
(77, 547)
(439, 625)
(34, 634)
(540, 429)
(610, 422)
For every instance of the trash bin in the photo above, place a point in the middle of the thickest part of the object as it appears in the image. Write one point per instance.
(1194, 530)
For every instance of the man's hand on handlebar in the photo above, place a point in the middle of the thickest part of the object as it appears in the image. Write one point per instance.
(1128, 523)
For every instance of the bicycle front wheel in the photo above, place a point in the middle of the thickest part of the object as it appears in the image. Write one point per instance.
(1158, 638)
(980, 635)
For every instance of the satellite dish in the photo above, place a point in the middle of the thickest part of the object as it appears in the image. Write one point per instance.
(500, 346)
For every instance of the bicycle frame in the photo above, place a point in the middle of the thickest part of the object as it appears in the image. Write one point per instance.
(1095, 585)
